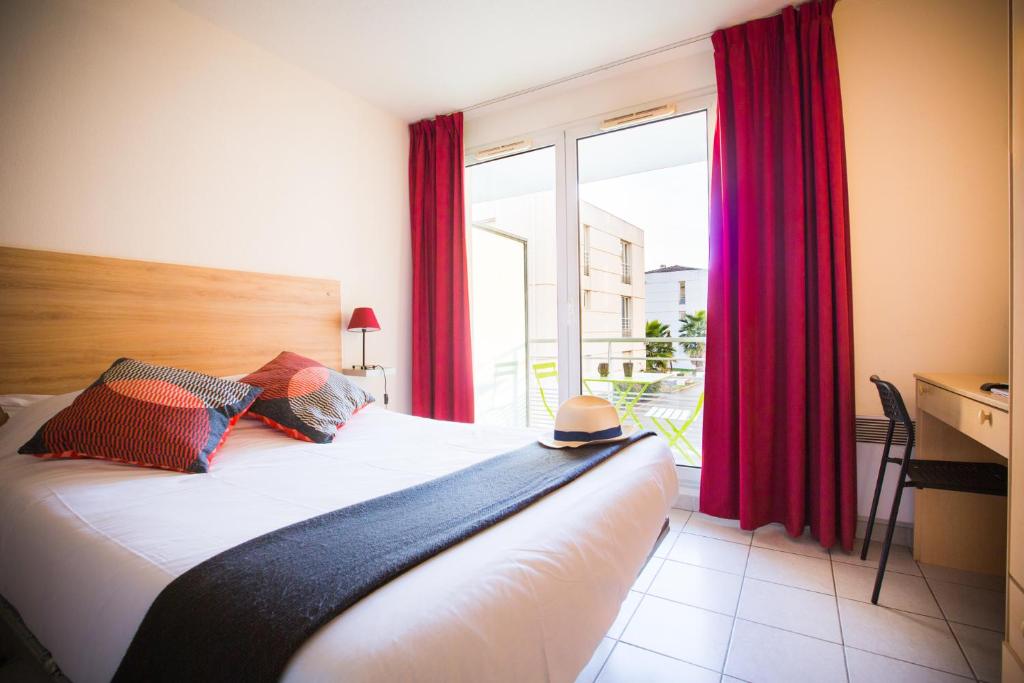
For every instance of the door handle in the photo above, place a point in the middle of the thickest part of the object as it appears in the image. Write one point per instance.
(985, 416)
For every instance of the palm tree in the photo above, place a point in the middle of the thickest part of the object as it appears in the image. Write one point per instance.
(656, 328)
(694, 325)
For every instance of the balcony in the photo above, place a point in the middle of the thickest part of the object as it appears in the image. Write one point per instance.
(664, 394)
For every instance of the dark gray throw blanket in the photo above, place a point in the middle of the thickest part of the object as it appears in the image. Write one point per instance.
(242, 614)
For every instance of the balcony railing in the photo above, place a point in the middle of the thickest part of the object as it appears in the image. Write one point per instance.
(664, 394)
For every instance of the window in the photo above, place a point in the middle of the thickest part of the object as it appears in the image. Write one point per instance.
(643, 190)
(586, 250)
(511, 244)
(588, 217)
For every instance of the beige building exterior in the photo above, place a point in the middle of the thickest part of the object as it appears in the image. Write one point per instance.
(612, 296)
(503, 233)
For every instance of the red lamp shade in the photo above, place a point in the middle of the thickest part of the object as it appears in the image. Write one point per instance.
(364, 320)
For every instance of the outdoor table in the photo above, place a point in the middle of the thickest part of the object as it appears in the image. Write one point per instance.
(626, 399)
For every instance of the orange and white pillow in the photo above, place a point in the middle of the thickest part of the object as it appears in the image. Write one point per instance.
(303, 398)
(147, 415)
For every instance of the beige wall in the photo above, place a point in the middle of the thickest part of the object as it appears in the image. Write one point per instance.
(141, 131)
(925, 104)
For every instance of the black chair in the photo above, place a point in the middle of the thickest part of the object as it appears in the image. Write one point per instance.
(969, 477)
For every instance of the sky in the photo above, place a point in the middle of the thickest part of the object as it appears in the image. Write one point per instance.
(655, 177)
(670, 204)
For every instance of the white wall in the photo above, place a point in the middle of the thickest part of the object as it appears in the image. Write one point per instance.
(690, 69)
(138, 130)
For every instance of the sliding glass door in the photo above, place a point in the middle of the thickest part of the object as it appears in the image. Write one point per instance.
(643, 222)
(514, 305)
(500, 332)
(589, 273)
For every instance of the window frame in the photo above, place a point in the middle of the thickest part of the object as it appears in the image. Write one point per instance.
(569, 232)
(626, 316)
(626, 254)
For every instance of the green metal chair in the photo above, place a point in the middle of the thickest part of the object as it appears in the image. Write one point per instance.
(542, 371)
(664, 419)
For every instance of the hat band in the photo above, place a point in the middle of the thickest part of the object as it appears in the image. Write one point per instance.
(609, 433)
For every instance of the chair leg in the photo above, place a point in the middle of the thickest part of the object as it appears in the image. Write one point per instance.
(874, 506)
(884, 559)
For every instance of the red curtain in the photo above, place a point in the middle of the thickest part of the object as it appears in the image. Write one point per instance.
(779, 410)
(442, 366)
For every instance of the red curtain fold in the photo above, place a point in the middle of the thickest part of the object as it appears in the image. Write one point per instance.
(779, 408)
(442, 366)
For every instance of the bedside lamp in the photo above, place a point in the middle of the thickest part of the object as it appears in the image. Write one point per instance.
(363, 320)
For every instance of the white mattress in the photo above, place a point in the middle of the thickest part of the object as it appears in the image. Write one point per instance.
(85, 547)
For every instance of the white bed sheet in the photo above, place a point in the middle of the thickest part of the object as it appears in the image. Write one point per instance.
(85, 547)
(13, 403)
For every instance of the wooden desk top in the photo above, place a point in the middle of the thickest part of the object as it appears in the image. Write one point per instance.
(968, 386)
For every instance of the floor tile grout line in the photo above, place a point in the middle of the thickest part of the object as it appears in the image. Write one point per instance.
(713, 538)
(836, 597)
(827, 558)
(952, 633)
(735, 618)
(662, 654)
(897, 609)
(605, 662)
(967, 585)
(844, 646)
(700, 566)
(694, 564)
(928, 582)
(788, 585)
(854, 561)
(632, 614)
(687, 604)
(839, 617)
(643, 594)
(980, 628)
(756, 578)
(789, 630)
(907, 661)
(956, 639)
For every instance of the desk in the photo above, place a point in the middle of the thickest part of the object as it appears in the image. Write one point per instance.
(958, 421)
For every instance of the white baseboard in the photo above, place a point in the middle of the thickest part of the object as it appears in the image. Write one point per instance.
(689, 499)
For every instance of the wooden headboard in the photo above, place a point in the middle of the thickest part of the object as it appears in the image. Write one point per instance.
(64, 318)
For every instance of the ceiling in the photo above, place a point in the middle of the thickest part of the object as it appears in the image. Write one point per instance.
(417, 58)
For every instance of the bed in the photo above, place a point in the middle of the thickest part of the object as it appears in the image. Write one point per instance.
(86, 546)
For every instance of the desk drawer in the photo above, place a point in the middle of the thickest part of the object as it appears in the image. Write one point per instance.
(985, 424)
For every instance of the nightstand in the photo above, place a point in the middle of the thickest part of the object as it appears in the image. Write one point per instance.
(378, 381)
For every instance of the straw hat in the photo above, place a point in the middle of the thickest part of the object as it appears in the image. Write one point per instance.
(584, 420)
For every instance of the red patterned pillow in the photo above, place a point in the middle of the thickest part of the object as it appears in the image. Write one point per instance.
(147, 415)
(304, 399)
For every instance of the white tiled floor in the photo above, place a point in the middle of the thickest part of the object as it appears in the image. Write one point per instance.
(720, 604)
